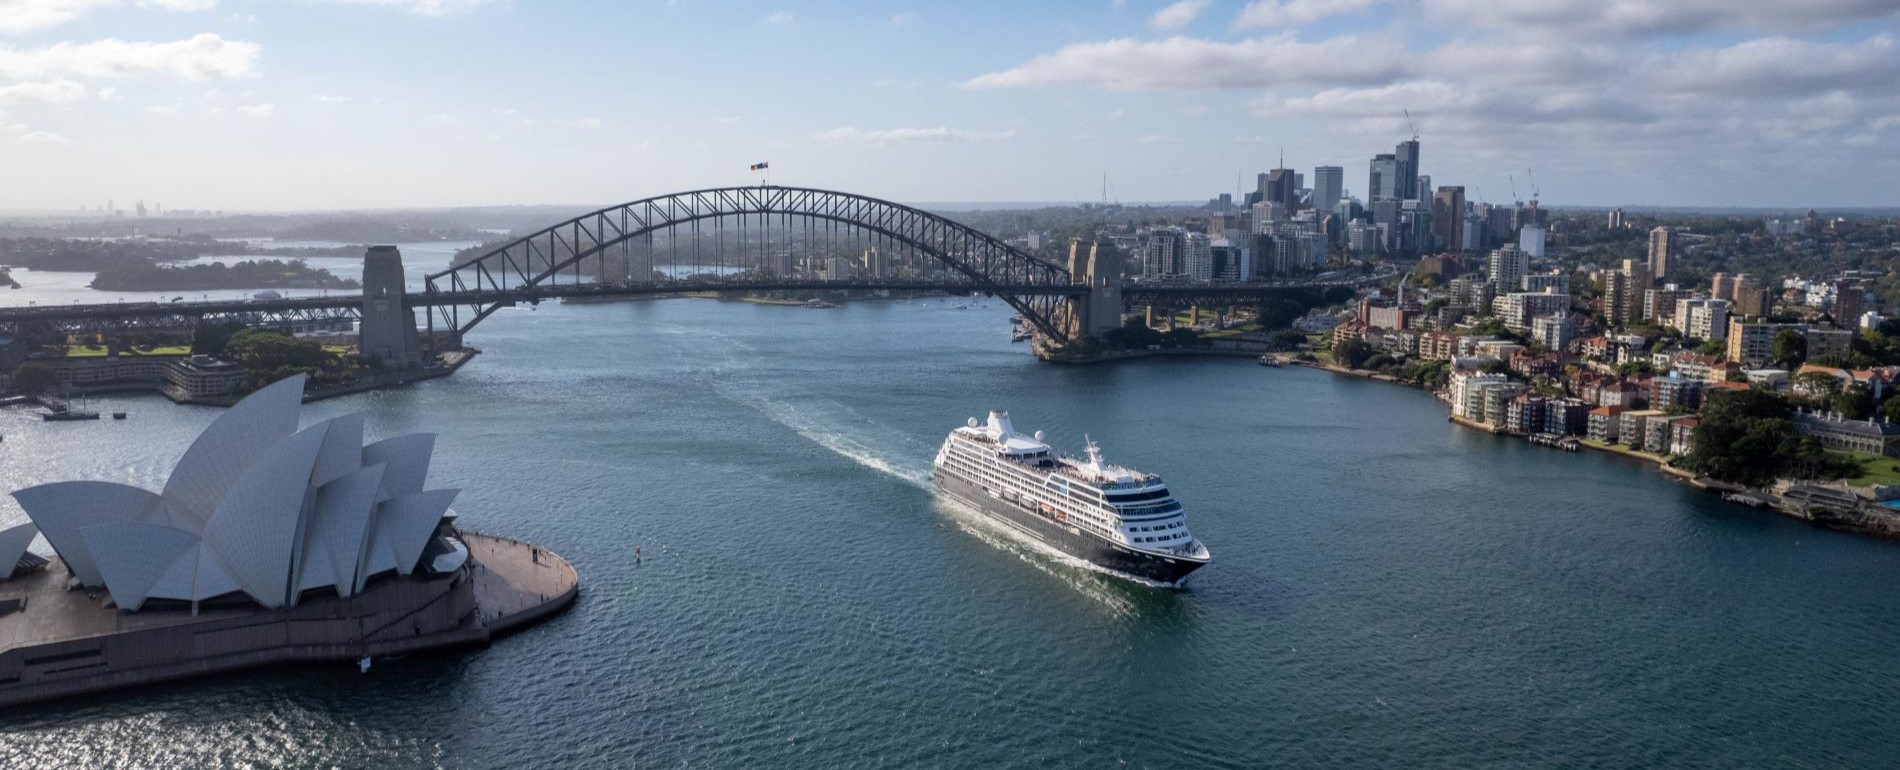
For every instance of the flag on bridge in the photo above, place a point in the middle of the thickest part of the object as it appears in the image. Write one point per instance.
(760, 166)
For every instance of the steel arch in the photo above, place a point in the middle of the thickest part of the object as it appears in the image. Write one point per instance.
(541, 258)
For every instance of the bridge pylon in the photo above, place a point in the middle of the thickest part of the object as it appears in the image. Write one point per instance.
(389, 326)
(1100, 310)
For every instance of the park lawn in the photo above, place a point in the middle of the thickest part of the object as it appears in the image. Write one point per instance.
(1874, 469)
(96, 351)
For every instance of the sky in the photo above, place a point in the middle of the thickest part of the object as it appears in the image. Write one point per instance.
(245, 105)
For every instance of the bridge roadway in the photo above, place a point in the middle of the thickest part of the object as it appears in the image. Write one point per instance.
(137, 315)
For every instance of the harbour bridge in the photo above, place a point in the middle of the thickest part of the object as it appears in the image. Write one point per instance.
(721, 240)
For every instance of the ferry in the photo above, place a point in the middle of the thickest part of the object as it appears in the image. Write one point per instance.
(1122, 520)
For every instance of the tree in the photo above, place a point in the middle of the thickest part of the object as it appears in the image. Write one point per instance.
(1855, 403)
(1739, 435)
(1820, 386)
(1791, 348)
(1711, 348)
(1890, 410)
(34, 378)
(1352, 354)
(210, 339)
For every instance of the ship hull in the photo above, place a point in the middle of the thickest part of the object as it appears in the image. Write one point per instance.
(1157, 568)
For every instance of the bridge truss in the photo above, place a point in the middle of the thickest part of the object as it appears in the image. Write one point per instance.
(613, 250)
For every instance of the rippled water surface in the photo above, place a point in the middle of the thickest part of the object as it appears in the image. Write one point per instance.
(1388, 589)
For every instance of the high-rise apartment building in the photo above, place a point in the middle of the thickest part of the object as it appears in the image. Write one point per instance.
(1507, 267)
(1661, 244)
(1197, 257)
(1165, 247)
(1849, 298)
(1659, 305)
(1703, 318)
(1616, 219)
(1623, 292)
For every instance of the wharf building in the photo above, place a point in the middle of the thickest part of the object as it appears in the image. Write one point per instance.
(268, 544)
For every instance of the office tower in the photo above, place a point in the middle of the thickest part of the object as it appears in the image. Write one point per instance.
(1474, 237)
(1448, 216)
(1507, 267)
(1406, 157)
(1383, 183)
(1280, 187)
(1424, 186)
(1415, 227)
(1328, 183)
(1659, 248)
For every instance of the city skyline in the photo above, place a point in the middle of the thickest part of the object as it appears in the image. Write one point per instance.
(245, 106)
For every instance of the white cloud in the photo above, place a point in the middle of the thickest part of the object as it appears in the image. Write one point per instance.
(18, 16)
(1296, 13)
(1573, 18)
(420, 7)
(580, 123)
(902, 19)
(1179, 63)
(258, 110)
(776, 19)
(444, 119)
(727, 120)
(164, 109)
(328, 99)
(110, 95)
(44, 137)
(912, 135)
(201, 57)
(1178, 15)
(1781, 66)
(1154, 139)
(53, 92)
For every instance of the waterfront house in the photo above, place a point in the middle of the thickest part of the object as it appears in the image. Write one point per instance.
(1526, 413)
(1567, 416)
(1467, 389)
(1497, 402)
(1674, 391)
(1604, 423)
(1633, 427)
(1682, 435)
(1438, 346)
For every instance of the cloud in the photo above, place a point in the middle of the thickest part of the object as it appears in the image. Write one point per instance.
(258, 110)
(727, 120)
(53, 92)
(1183, 63)
(1295, 13)
(1779, 66)
(328, 99)
(17, 16)
(110, 95)
(1154, 139)
(444, 119)
(201, 57)
(164, 109)
(420, 7)
(1637, 18)
(580, 123)
(44, 137)
(912, 135)
(776, 19)
(1178, 15)
(902, 19)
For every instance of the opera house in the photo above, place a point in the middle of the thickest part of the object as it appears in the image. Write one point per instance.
(268, 543)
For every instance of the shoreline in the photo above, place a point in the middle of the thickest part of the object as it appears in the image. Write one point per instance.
(74, 646)
(1860, 523)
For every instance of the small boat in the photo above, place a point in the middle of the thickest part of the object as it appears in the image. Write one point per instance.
(1020, 335)
(1269, 360)
(118, 415)
(267, 294)
(68, 415)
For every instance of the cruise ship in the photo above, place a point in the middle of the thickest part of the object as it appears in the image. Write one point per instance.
(1119, 519)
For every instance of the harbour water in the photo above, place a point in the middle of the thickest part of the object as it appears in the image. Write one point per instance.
(1388, 590)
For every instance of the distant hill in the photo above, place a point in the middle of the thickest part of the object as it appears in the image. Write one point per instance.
(375, 231)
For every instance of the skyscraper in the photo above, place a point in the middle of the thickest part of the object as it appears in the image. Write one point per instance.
(1448, 218)
(1280, 187)
(1407, 158)
(1328, 182)
(1659, 248)
(1507, 267)
(1383, 185)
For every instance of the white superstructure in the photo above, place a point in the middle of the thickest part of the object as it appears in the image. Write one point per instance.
(1116, 505)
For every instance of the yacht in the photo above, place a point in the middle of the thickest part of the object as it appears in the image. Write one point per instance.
(1116, 518)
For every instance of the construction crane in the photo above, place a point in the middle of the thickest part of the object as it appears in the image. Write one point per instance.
(1533, 178)
(1409, 123)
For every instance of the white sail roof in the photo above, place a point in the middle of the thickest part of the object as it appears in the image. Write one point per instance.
(254, 505)
(13, 543)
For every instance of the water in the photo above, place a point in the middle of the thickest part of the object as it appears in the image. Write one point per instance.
(1387, 590)
(59, 288)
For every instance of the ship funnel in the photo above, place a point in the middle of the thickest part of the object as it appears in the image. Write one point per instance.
(999, 425)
